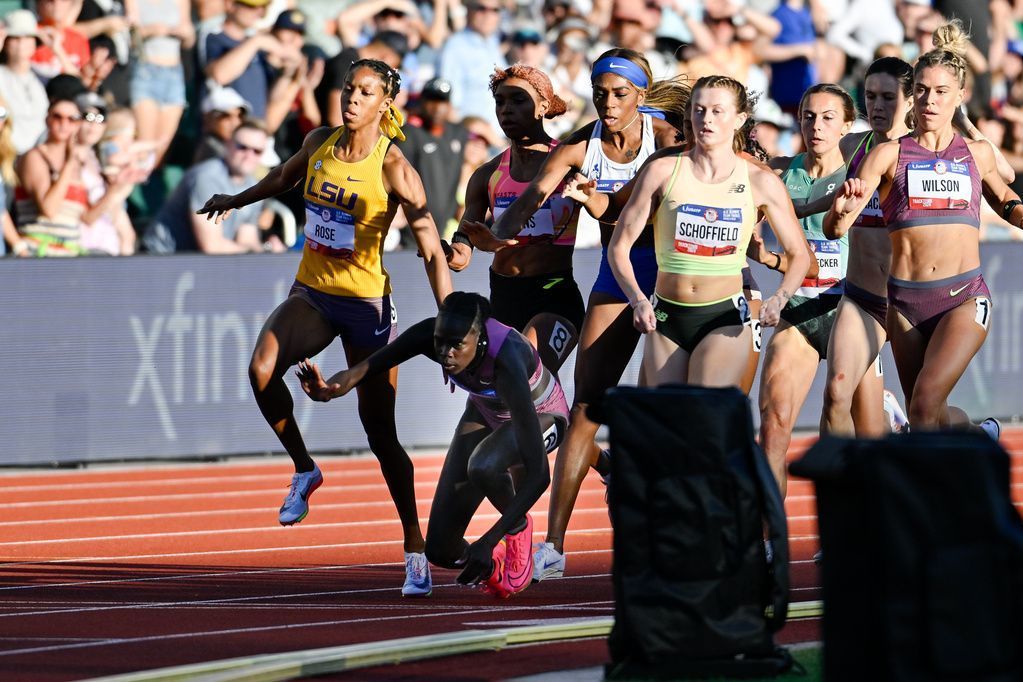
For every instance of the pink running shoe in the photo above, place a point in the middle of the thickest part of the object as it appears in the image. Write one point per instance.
(494, 585)
(518, 565)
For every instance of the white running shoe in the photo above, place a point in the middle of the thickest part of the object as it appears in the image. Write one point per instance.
(418, 582)
(547, 562)
(896, 417)
(992, 427)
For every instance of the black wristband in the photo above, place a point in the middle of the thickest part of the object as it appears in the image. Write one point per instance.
(460, 237)
(1008, 206)
(777, 262)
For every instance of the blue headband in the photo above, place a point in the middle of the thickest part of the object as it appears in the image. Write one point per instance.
(621, 67)
(653, 111)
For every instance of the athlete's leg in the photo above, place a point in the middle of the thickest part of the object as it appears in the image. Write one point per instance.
(664, 362)
(376, 411)
(606, 344)
(489, 464)
(293, 332)
(856, 339)
(956, 339)
(908, 348)
(789, 367)
(456, 499)
(554, 338)
(868, 413)
(755, 345)
(716, 360)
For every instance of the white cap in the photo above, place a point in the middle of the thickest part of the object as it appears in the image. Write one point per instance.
(223, 99)
(20, 23)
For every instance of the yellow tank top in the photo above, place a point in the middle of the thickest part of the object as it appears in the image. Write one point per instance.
(703, 229)
(347, 215)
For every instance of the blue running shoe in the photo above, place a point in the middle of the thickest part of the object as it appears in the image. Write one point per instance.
(547, 562)
(992, 427)
(296, 504)
(418, 582)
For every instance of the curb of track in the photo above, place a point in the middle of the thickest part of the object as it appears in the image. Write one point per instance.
(295, 664)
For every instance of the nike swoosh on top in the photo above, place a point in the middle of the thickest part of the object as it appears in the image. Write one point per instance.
(960, 159)
(618, 66)
(351, 179)
(956, 292)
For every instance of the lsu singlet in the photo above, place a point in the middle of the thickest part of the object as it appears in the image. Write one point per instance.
(871, 215)
(832, 254)
(933, 188)
(701, 228)
(610, 175)
(347, 215)
(555, 221)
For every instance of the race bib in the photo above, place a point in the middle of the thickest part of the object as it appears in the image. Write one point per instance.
(871, 215)
(539, 226)
(829, 268)
(329, 230)
(707, 231)
(938, 184)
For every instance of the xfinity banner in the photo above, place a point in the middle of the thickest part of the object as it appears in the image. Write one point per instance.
(147, 357)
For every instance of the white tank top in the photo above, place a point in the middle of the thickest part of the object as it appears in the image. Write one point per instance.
(611, 175)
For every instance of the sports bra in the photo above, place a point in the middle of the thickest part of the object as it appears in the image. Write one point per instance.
(610, 175)
(871, 215)
(933, 188)
(555, 221)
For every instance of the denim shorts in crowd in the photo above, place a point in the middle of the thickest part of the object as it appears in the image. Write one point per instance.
(164, 85)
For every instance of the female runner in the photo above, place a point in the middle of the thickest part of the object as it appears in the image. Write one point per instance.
(704, 203)
(930, 184)
(354, 180)
(826, 113)
(610, 152)
(516, 413)
(535, 275)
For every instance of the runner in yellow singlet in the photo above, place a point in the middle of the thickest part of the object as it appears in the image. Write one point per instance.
(354, 179)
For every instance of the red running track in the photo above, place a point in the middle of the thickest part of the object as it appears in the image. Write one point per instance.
(115, 569)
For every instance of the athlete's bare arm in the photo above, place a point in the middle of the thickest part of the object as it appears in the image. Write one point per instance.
(403, 182)
(649, 183)
(280, 179)
(878, 167)
(477, 202)
(416, 340)
(770, 196)
(995, 190)
(608, 207)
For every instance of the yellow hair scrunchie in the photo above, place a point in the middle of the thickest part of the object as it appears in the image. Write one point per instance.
(391, 123)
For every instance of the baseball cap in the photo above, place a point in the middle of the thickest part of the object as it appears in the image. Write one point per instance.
(223, 99)
(574, 24)
(254, 3)
(436, 89)
(526, 34)
(290, 20)
(398, 42)
(21, 23)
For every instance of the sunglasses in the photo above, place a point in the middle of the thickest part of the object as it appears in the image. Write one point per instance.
(246, 148)
(93, 117)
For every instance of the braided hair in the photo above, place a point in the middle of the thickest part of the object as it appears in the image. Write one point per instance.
(469, 305)
(390, 79)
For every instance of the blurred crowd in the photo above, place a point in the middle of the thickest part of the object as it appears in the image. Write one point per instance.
(119, 118)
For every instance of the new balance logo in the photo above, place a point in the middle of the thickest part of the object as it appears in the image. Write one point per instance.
(737, 188)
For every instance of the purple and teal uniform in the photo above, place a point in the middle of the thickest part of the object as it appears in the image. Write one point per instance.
(548, 396)
(934, 188)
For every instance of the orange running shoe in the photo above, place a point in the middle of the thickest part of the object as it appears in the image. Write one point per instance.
(518, 563)
(494, 585)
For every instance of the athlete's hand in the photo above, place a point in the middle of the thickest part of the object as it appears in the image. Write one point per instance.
(852, 191)
(477, 563)
(757, 250)
(218, 207)
(770, 310)
(643, 316)
(483, 239)
(313, 384)
(579, 188)
(458, 255)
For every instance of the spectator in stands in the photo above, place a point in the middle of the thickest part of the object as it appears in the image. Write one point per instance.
(470, 56)
(223, 110)
(63, 49)
(98, 71)
(106, 228)
(292, 66)
(120, 151)
(528, 46)
(19, 86)
(435, 147)
(863, 26)
(50, 198)
(178, 228)
(387, 46)
(107, 26)
(158, 82)
(725, 43)
(792, 54)
(241, 60)
(570, 75)
(8, 180)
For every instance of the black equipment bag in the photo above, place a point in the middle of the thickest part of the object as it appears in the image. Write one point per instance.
(922, 558)
(690, 496)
